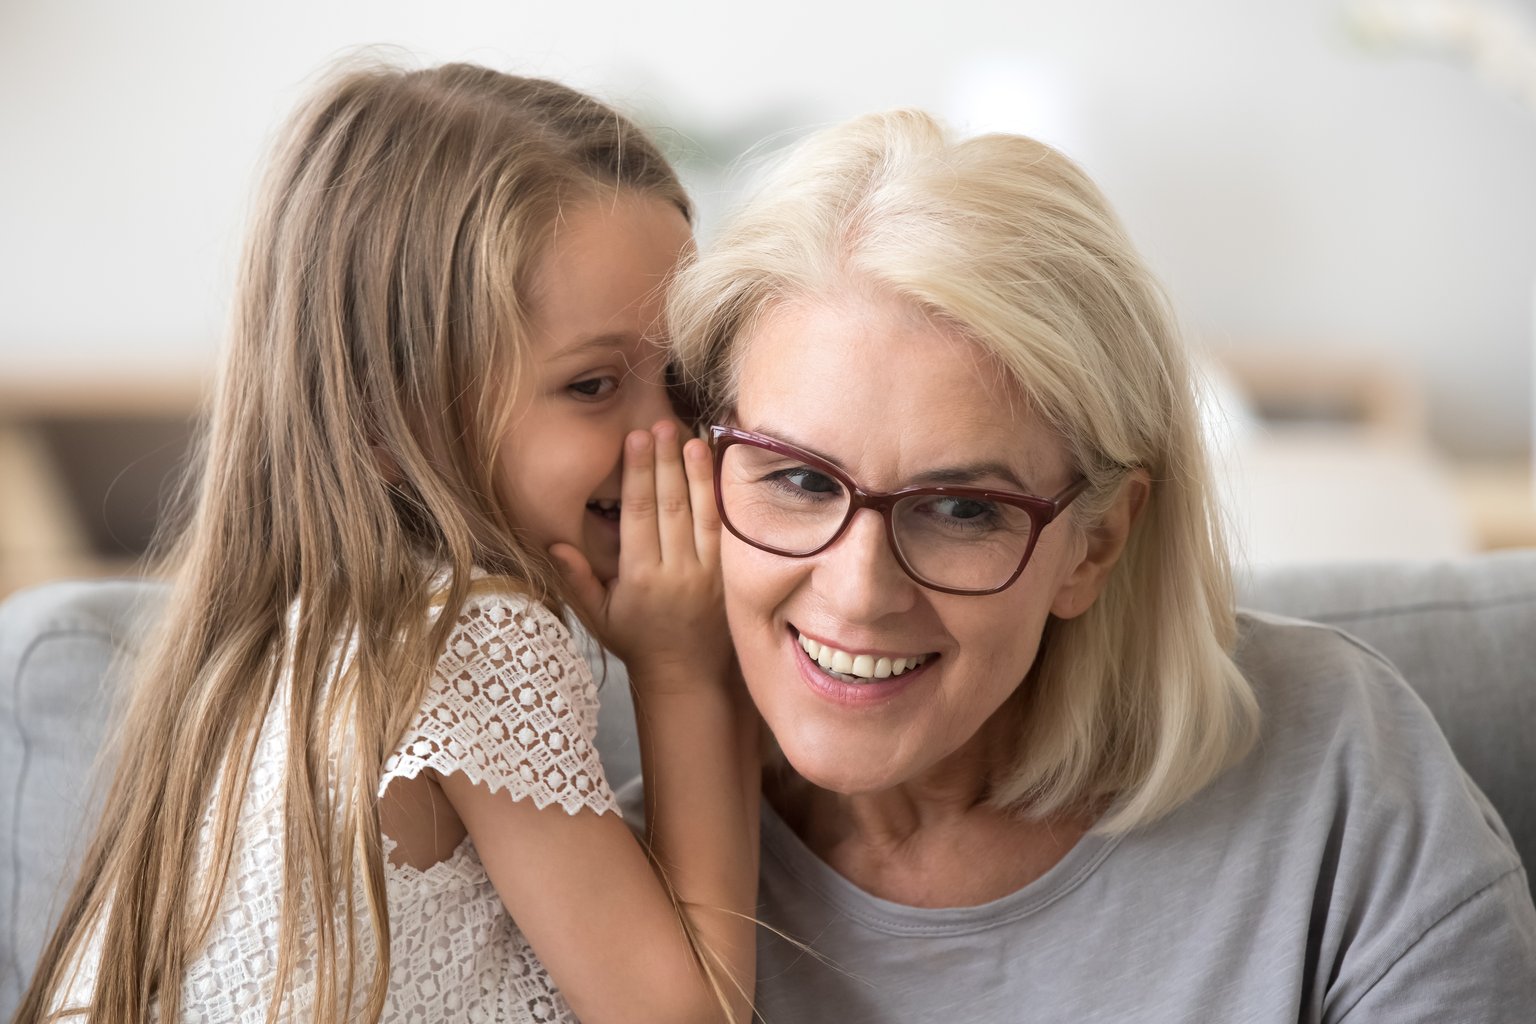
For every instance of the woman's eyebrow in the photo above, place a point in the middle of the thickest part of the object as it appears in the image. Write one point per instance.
(964, 475)
(970, 474)
(790, 439)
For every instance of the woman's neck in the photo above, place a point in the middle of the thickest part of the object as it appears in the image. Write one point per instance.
(931, 842)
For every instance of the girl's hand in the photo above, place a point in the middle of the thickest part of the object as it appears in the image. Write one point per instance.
(664, 612)
(664, 615)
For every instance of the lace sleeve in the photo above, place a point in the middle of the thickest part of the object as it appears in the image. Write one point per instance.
(512, 705)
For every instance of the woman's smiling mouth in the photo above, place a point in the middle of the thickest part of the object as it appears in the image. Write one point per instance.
(858, 669)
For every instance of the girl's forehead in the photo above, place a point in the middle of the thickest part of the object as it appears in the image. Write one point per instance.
(606, 265)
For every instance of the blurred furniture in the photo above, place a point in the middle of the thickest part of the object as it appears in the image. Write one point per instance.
(1499, 501)
(1340, 386)
(1323, 455)
(86, 467)
(1305, 495)
(1460, 630)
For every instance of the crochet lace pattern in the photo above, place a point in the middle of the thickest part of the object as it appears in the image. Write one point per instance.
(512, 705)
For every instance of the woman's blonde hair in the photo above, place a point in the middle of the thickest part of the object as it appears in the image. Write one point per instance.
(1136, 703)
(381, 320)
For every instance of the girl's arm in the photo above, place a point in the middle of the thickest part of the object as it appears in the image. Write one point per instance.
(592, 905)
(697, 727)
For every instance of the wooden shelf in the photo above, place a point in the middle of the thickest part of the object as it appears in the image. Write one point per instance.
(86, 465)
(1499, 499)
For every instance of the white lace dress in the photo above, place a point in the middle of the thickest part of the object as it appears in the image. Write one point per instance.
(511, 704)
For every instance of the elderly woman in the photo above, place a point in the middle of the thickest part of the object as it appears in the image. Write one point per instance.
(1034, 766)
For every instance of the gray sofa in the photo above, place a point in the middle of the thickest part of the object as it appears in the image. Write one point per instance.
(1463, 633)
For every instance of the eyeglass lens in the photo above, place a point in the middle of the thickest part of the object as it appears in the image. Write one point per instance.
(961, 543)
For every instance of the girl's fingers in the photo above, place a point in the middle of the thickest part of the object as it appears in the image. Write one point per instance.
(586, 588)
(638, 543)
(673, 513)
(701, 494)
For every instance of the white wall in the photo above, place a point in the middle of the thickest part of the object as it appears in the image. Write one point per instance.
(1289, 184)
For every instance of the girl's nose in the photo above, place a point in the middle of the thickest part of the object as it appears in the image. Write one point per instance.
(859, 577)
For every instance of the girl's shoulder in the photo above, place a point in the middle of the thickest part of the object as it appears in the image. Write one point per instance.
(500, 629)
(511, 704)
(492, 605)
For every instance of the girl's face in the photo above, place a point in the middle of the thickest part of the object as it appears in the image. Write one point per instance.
(597, 371)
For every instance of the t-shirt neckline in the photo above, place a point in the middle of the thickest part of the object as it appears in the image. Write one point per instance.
(809, 870)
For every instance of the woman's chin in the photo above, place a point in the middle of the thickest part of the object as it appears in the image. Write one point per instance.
(838, 772)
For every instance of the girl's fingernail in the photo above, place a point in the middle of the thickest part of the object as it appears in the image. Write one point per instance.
(639, 441)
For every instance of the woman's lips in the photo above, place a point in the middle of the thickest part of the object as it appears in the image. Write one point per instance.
(859, 666)
(840, 691)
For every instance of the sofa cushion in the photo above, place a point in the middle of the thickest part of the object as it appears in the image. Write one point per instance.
(58, 645)
(1463, 633)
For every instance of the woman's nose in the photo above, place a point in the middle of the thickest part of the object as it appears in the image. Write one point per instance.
(859, 577)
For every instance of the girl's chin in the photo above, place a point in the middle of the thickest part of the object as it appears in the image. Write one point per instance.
(602, 554)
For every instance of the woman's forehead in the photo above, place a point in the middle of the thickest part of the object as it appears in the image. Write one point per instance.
(878, 390)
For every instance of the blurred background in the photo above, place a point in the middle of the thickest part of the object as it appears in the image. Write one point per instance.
(1340, 196)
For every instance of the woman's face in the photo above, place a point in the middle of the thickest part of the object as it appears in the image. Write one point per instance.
(893, 400)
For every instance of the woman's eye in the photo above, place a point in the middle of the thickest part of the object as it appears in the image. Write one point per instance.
(593, 388)
(962, 508)
(962, 513)
(806, 480)
(810, 480)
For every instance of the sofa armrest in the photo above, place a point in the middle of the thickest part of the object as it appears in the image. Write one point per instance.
(1463, 634)
(58, 646)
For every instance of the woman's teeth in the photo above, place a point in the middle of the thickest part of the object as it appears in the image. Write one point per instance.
(861, 666)
(604, 507)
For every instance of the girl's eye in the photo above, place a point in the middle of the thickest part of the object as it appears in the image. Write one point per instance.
(593, 388)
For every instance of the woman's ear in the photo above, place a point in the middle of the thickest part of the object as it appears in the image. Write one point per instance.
(1105, 542)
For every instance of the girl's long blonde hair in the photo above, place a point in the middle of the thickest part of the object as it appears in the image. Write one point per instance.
(380, 322)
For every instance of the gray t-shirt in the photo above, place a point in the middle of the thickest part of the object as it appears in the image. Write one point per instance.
(1345, 870)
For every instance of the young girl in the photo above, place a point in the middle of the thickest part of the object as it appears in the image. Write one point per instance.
(357, 778)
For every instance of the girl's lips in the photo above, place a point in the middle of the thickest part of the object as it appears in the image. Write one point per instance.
(607, 522)
(829, 687)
